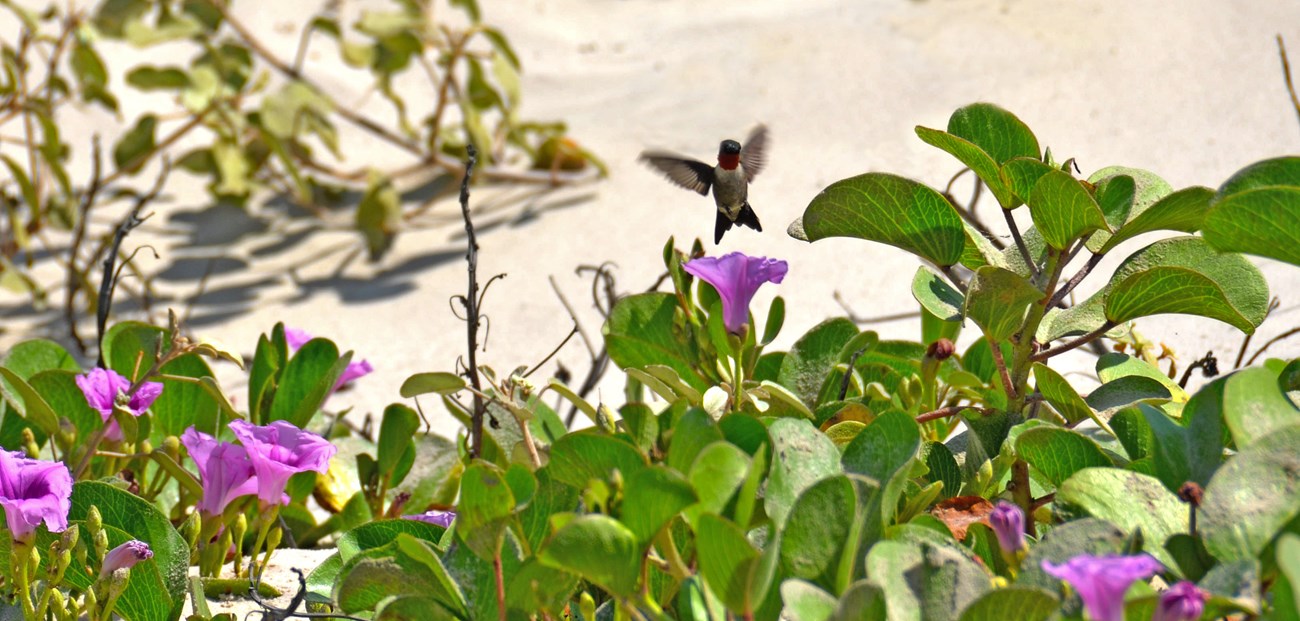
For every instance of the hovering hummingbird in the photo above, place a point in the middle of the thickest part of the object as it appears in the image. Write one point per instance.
(730, 179)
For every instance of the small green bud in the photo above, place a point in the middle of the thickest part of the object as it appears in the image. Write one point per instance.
(29, 443)
(146, 446)
(240, 528)
(58, 605)
(273, 539)
(172, 447)
(587, 604)
(191, 528)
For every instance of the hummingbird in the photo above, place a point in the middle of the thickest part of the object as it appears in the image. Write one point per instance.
(730, 179)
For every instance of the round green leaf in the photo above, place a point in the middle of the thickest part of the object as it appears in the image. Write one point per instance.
(1128, 500)
(424, 383)
(1183, 211)
(1063, 210)
(1253, 497)
(805, 368)
(1281, 171)
(1185, 275)
(485, 508)
(1014, 602)
(891, 210)
(818, 533)
(802, 455)
(1058, 392)
(731, 567)
(995, 130)
(641, 331)
(1254, 406)
(598, 548)
(934, 294)
(1263, 221)
(1065, 541)
(578, 457)
(1058, 453)
(997, 300)
(973, 157)
(719, 470)
(884, 451)
(652, 497)
(805, 602)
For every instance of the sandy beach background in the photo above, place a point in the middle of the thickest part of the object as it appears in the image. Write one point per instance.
(1192, 91)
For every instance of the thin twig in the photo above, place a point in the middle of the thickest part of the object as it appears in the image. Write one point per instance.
(1273, 305)
(1208, 364)
(1020, 242)
(471, 308)
(848, 373)
(132, 220)
(1286, 73)
(996, 349)
(553, 351)
(1083, 340)
(855, 318)
(1075, 280)
(1284, 335)
(950, 411)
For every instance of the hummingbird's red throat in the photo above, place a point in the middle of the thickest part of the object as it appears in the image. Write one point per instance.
(728, 162)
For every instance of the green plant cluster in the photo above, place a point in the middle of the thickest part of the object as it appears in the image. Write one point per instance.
(850, 477)
(228, 109)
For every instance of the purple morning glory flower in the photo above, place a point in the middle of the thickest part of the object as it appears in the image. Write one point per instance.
(125, 556)
(1101, 581)
(102, 388)
(435, 517)
(297, 337)
(225, 471)
(736, 277)
(1181, 602)
(279, 451)
(34, 491)
(1008, 523)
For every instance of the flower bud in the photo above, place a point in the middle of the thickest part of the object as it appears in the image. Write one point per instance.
(172, 447)
(1181, 602)
(29, 443)
(191, 528)
(125, 556)
(1191, 493)
(941, 349)
(1008, 523)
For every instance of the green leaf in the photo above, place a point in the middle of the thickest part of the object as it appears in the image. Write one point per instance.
(943, 468)
(997, 301)
(805, 368)
(934, 294)
(719, 470)
(1063, 210)
(863, 601)
(1114, 365)
(141, 520)
(406, 567)
(1185, 275)
(1128, 500)
(578, 457)
(424, 383)
(136, 145)
(150, 78)
(598, 548)
(396, 430)
(1058, 453)
(35, 355)
(884, 451)
(642, 330)
(652, 497)
(1182, 211)
(1020, 174)
(29, 404)
(775, 319)
(891, 210)
(485, 509)
(806, 456)
(1280, 171)
(1288, 562)
(819, 534)
(925, 581)
(380, 533)
(693, 431)
(1126, 391)
(984, 136)
(1115, 195)
(1058, 392)
(1014, 602)
(379, 216)
(307, 381)
(1236, 585)
(732, 568)
(805, 602)
(477, 577)
(1065, 541)
(1252, 497)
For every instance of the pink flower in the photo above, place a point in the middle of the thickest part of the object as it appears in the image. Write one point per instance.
(34, 491)
(125, 556)
(1008, 523)
(435, 517)
(279, 451)
(297, 337)
(225, 471)
(1101, 581)
(737, 277)
(1181, 602)
(104, 388)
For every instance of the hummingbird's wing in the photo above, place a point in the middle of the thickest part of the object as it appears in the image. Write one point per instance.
(751, 154)
(685, 172)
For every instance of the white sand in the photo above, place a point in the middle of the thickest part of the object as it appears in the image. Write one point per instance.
(1191, 91)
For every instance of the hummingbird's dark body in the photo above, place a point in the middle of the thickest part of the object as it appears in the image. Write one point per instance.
(729, 180)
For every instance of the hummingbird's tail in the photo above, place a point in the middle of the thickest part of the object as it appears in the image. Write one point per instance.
(746, 217)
